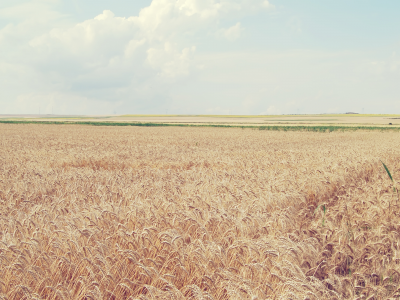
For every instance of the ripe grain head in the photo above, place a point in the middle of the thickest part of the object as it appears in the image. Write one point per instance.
(196, 213)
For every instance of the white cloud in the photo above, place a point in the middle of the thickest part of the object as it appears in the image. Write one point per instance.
(109, 57)
(267, 4)
(132, 46)
(232, 33)
(39, 10)
(170, 62)
(165, 57)
(27, 20)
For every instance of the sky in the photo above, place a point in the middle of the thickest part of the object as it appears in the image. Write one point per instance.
(199, 57)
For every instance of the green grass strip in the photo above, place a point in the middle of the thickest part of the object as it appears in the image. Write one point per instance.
(323, 128)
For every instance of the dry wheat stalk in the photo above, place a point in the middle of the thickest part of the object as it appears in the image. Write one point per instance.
(197, 213)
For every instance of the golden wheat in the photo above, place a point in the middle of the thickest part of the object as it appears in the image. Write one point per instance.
(197, 213)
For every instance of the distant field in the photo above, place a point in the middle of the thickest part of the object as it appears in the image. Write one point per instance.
(313, 122)
(96, 212)
(270, 116)
(272, 127)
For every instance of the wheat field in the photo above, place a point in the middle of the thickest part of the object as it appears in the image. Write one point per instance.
(197, 213)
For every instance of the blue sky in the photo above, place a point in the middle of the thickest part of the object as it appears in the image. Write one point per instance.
(199, 56)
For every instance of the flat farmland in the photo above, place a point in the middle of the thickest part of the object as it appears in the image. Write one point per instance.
(197, 213)
(347, 120)
(285, 120)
